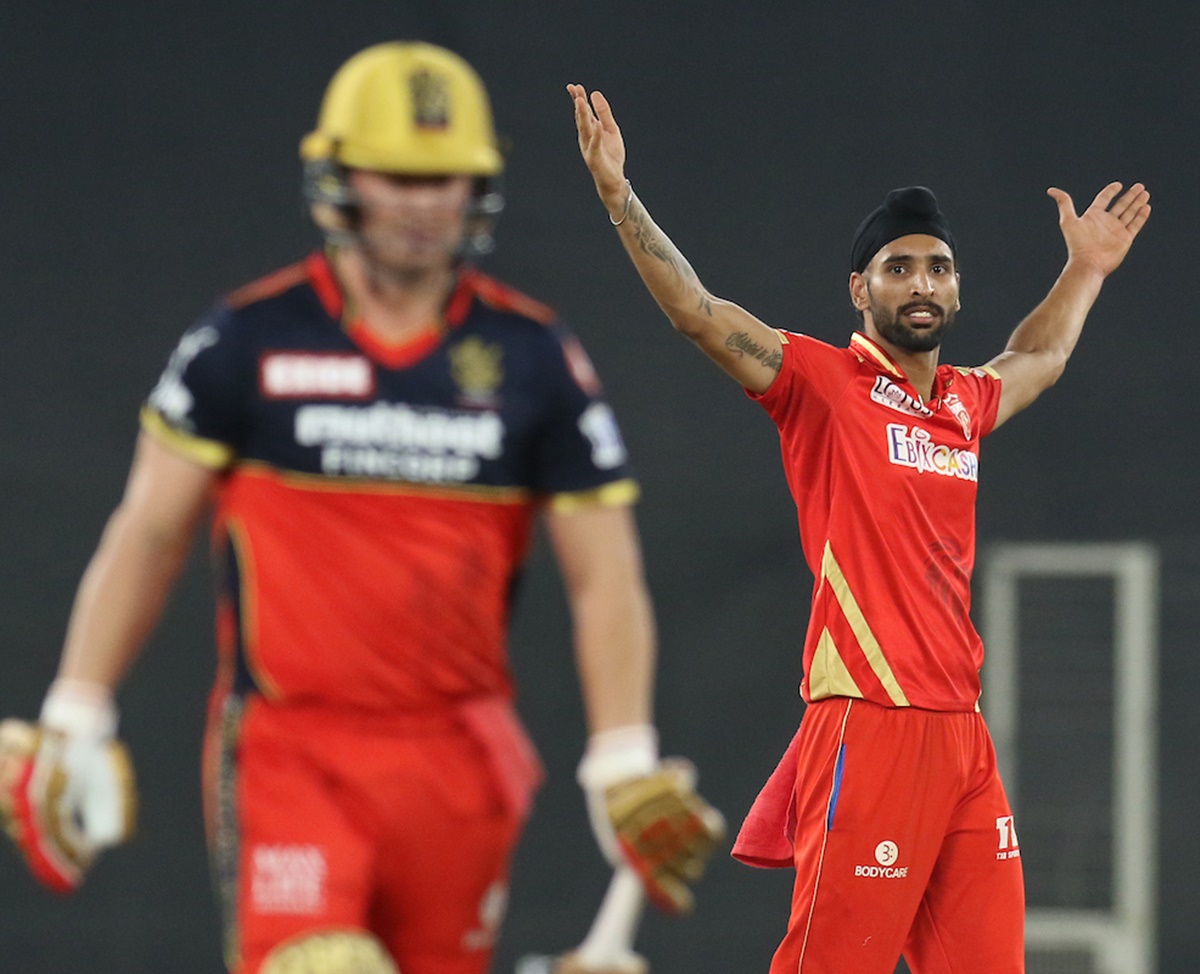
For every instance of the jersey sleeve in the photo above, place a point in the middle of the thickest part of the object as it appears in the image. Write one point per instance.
(811, 371)
(198, 406)
(580, 457)
(984, 385)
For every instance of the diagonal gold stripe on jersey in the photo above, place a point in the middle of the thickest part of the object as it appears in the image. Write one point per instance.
(831, 571)
(207, 453)
(828, 676)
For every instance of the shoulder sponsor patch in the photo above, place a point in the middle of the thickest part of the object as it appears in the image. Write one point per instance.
(308, 375)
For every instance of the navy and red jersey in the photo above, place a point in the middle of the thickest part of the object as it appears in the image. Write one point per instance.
(376, 502)
(885, 486)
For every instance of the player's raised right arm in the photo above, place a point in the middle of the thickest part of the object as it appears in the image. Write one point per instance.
(743, 346)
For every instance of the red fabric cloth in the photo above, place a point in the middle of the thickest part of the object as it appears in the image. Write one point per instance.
(511, 754)
(766, 836)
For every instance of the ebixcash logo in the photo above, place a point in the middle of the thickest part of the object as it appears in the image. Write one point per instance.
(887, 854)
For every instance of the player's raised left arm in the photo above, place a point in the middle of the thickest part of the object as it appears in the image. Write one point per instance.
(1097, 241)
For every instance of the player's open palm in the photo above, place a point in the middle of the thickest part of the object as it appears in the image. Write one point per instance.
(600, 144)
(1104, 232)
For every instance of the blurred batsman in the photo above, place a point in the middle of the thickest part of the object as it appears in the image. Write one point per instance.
(373, 431)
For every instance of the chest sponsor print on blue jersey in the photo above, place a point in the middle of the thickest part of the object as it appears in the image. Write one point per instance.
(396, 441)
(311, 375)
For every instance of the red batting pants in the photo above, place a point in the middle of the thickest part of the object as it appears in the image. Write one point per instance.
(325, 819)
(904, 842)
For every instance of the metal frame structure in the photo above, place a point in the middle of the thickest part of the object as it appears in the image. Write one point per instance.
(1122, 939)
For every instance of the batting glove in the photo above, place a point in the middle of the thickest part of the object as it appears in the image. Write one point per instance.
(66, 784)
(646, 812)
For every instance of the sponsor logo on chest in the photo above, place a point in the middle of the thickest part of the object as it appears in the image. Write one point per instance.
(308, 375)
(396, 441)
(888, 393)
(914, 447)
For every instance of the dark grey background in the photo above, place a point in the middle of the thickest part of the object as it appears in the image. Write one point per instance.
(149, 164)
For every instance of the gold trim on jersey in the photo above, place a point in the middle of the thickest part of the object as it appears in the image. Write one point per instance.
(986, 369)
(620, 493)
(827, 674)
(866, 345)
(247, 608)
(831, 572)
(782, 336)
(207, 453)
(303, 480)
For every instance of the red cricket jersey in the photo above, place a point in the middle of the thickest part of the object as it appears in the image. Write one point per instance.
(376, 501)
(885, 486)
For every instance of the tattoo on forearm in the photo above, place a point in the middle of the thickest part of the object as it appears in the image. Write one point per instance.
(743, 344)
(653, 242)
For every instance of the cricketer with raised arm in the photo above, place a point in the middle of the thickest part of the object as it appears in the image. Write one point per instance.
(887, 803)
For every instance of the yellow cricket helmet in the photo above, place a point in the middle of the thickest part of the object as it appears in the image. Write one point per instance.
(406, 107)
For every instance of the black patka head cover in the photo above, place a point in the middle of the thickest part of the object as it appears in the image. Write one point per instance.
(910, 209)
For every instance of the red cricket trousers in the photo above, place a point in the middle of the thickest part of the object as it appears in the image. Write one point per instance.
(903, 842)
(393, 825)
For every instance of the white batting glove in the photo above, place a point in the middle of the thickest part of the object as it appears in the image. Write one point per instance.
(646, 813)
(614, 756)
(66, 784)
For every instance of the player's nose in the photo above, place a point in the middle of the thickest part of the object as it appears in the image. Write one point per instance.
(922, 283)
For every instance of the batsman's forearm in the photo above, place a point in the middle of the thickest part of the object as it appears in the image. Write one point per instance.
(119, 600)
(615, 654)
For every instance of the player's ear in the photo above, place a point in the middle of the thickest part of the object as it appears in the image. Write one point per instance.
(859, 295)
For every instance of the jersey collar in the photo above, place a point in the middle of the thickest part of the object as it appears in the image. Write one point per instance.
(869, 351)
(328, 288)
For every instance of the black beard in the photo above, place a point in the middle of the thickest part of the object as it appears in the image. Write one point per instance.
(888, 324)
